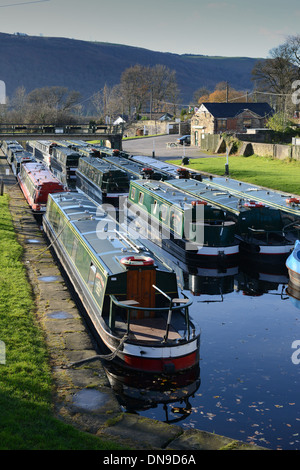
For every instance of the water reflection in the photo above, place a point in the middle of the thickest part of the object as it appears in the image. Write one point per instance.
(249, 384)
(138, 392)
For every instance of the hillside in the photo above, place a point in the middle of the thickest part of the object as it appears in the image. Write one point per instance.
(34, 62)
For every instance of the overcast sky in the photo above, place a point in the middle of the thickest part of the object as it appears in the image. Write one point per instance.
(225, 28)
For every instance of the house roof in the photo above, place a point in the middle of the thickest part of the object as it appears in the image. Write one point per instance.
(229, 110)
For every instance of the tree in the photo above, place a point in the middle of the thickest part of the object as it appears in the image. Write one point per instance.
(142, 85)
(163, 87)
(135, 86)
(52, 104)
(222, 93)
(199, 93)
(274, 76)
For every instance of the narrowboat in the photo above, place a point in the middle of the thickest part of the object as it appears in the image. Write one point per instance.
(37, 182)
(6, 144)
(293, 266)
(11, 150)
(194, 231)
(41, 150)
(134, 170)
(169, 170)
(261, 231)
(101, 181)
(19, 158)
(131, 298)
(64, 163)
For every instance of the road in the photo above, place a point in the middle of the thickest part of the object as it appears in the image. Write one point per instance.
(158, 145)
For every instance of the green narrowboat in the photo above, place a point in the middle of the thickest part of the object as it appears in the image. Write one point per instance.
(194, 231)
(263, 234)
(130, 296)
(101, 181)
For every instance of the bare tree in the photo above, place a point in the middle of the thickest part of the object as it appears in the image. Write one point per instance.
(135, 88)
(52, 104)
(163, 86)
(276, 74)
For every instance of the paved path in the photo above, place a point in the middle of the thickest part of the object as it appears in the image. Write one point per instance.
(158, 145)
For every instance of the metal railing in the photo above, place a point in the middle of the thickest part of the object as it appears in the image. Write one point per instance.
(19, 129)
(130, 305)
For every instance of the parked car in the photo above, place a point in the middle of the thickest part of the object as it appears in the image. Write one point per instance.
(184, 140)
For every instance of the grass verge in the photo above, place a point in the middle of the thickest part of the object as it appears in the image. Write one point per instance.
(26, 417)
(283, 175)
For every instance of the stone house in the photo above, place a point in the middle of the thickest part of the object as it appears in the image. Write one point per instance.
(216, 118)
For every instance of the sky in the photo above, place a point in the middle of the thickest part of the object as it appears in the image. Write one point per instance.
(217, 28)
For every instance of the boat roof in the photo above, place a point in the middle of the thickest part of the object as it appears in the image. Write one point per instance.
(100, 164)
(167, 192)
(40, 174)
(209, 193)
(24, 154)
(159, 165)
(239, 189)
(108, 241)
(127, 165)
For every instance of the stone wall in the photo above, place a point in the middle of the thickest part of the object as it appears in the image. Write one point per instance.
(151, 127)
(209, 142)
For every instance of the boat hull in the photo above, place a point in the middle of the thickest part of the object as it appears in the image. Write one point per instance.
(293, 266)
(265, 254)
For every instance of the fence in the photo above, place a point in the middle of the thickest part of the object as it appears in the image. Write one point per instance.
(19, 129)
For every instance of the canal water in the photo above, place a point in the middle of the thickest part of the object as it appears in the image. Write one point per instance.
(247, 385)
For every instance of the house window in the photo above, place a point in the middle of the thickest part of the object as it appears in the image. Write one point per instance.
(222, 124)
(247, 123)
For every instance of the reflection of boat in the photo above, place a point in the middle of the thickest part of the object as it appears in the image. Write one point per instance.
(293, 265)
(252, 282)
(212, 282)
(139, 392)
(130, 296)
(190, 229)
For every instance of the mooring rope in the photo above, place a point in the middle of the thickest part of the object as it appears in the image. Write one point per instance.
(107, 357)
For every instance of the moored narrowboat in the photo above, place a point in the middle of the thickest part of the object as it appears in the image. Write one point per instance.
(101, 181)
(41, 150)
(37, 182)
(18, 159)
(130, 296)
(262, 231)
(189, 228)
(64, 163)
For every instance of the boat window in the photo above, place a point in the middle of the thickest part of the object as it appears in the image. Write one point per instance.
(141, 198)
(154, 207)
(82, 261)
(68, 239)
(92, 274)
(176, 221)
(74, 249)
(164, 212)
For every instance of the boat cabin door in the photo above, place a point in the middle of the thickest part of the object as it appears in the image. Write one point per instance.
(140, 279)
